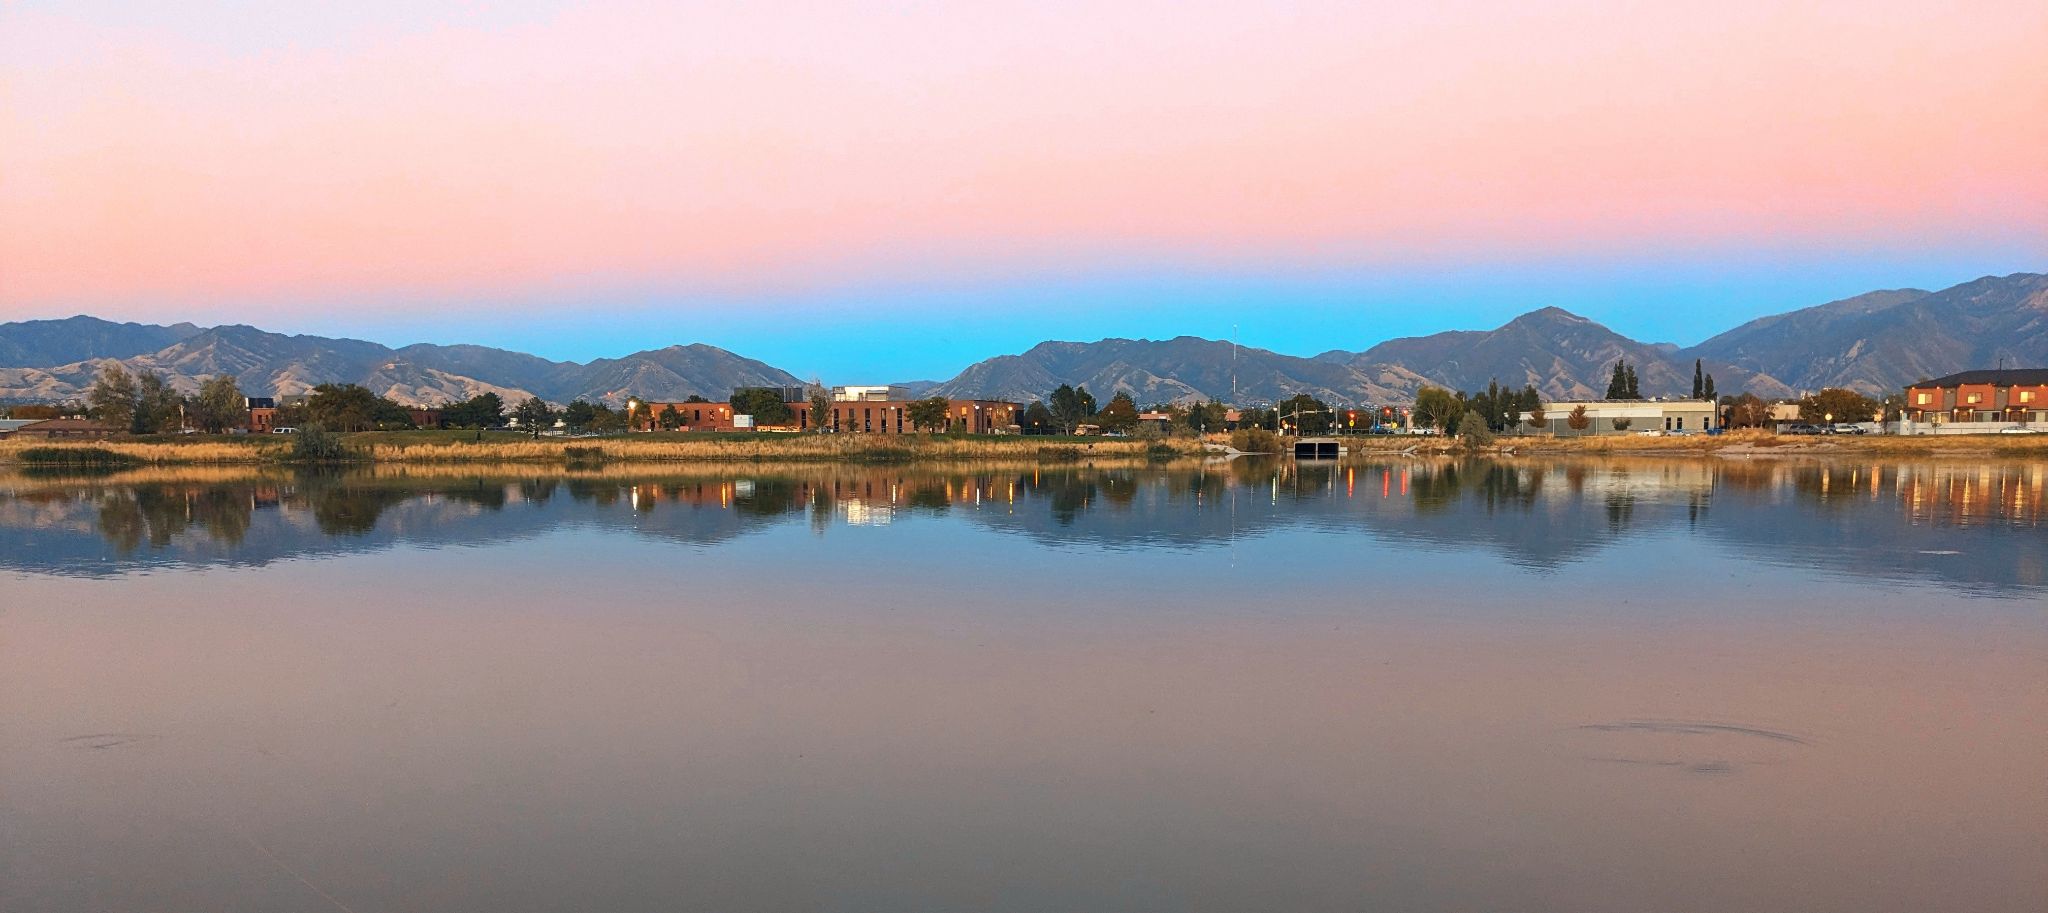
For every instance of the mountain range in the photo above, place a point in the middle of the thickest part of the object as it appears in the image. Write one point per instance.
(1874, 343)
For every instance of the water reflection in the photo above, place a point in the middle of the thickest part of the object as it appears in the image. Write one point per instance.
(1936, 522)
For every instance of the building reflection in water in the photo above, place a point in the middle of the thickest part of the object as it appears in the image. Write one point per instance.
(1945, 522)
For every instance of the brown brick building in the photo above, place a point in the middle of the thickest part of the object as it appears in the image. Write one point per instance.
(973, 416)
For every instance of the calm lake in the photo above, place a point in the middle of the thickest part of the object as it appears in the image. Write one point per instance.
(1679, 685)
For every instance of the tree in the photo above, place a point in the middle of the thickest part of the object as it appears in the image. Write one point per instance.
(1707, 390)
(1435, 407)
(1622, 424)
(112, 397)
(1473, 432)
(1746, 411)
(1835, 404)
(579, 415)
(670, 419)
(929, 414)
(484, 410)
(1202, 418)
(535, 415)
(219, 405)
(1699, 380)
(1037, 418)
(1630, 376)
(1305, 413)
(1578, 420)
(1120, 415)
(765, 404)
(158, 408)
(608, 420)
(347, 407)
(1617, 385)
(1536, 416)
(1071, 406)
(639, 415)
(821, 408)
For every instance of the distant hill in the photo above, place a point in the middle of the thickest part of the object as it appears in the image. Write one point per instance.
(1561, 354)
(44, 343)
(1876, 343)
(1881, 341)
(272, 363)
(1183, 369)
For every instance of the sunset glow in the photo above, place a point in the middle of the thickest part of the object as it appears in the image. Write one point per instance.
(265, 164)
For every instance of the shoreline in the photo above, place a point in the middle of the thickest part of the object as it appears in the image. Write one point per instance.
(454, 448)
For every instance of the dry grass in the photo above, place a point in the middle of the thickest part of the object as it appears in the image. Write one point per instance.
(159, 452)
(460, 447)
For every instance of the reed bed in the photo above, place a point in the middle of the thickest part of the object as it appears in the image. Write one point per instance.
(721, 448)
(153, 452)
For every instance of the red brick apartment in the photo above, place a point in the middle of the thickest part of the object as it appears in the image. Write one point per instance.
(2005, 397)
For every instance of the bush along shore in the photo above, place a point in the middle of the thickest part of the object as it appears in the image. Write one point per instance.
(316, 447)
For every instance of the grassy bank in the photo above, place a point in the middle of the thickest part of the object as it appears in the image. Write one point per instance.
(429, 447)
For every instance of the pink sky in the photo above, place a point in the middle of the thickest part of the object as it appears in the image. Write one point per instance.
(271, 157)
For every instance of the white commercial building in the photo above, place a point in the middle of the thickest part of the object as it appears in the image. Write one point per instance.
(1627, 416)
(873, 393)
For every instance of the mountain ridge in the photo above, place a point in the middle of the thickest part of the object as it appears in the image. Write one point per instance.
(1875, 343)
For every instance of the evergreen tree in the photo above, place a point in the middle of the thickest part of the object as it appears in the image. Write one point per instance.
(1699, 382)
(1707, 391)
(1617, 386)
(1631, 392)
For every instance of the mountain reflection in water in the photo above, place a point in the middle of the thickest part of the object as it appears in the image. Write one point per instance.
(1945, 523)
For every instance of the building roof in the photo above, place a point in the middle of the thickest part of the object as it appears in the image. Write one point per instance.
(2010, 377)
(11, 424)
(71, 424)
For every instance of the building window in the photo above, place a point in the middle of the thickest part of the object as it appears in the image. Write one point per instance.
(1923, 398)
(2026, 396)
(1975, 398)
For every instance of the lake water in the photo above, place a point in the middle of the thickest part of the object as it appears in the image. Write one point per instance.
(1538, 686)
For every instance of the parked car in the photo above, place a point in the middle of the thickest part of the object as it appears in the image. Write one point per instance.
(1799, 428)
(1845, 428)
(2017, 430)
(284, 430)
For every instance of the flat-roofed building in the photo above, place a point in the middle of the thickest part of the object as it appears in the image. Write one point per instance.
(870, 393)
(67, 428)
(688, 417)
(1990, 400)
(1627, 416)
(971, 416)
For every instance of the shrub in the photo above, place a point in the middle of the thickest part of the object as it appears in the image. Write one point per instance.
(87, 457)
(314, 444)
(1472, 431)
(584, 454)
(1255, 440)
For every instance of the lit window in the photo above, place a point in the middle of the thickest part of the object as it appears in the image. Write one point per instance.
(1975, 398)
(2026, 396)
(1923, 398)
